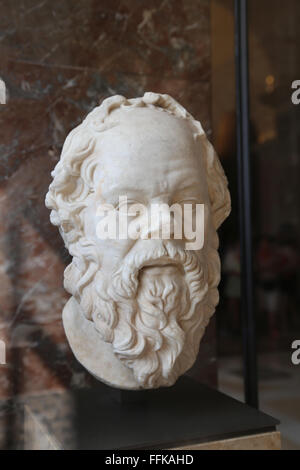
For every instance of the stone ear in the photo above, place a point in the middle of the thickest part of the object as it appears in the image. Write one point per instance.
(217, 184)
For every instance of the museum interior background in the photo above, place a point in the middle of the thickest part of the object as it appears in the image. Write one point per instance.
(58, 60)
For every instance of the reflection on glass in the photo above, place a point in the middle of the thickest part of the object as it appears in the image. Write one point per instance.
(274, 42)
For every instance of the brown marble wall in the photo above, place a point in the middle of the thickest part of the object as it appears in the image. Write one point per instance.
(58, 59)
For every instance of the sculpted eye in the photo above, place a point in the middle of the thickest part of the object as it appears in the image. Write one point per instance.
(190, 201)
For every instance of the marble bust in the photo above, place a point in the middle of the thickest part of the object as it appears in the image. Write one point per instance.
(139, 305)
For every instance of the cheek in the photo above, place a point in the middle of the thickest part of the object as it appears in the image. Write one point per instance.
(112, 253)
(90, 220)
(114, 248)
(111, 250)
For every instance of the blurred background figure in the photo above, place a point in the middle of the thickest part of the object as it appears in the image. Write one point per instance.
(267, 275)
(288, 275)
(232, 289)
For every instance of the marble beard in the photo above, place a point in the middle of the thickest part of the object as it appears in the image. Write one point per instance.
(151, 316)
(150, 312)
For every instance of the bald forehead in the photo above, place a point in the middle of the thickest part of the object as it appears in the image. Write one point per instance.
(136, 129)
(147, 150)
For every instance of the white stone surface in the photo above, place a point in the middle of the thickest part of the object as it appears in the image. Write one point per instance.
(139, 308)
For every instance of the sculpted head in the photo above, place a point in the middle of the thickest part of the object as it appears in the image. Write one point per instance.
(145, 301)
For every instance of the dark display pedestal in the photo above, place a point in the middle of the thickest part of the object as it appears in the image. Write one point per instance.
(187, 415)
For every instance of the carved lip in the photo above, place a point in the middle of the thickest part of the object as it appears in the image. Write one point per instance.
(163, 262)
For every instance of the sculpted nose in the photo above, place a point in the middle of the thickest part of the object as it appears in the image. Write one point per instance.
(159, 223)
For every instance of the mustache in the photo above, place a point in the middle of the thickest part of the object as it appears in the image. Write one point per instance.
(125, 280)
